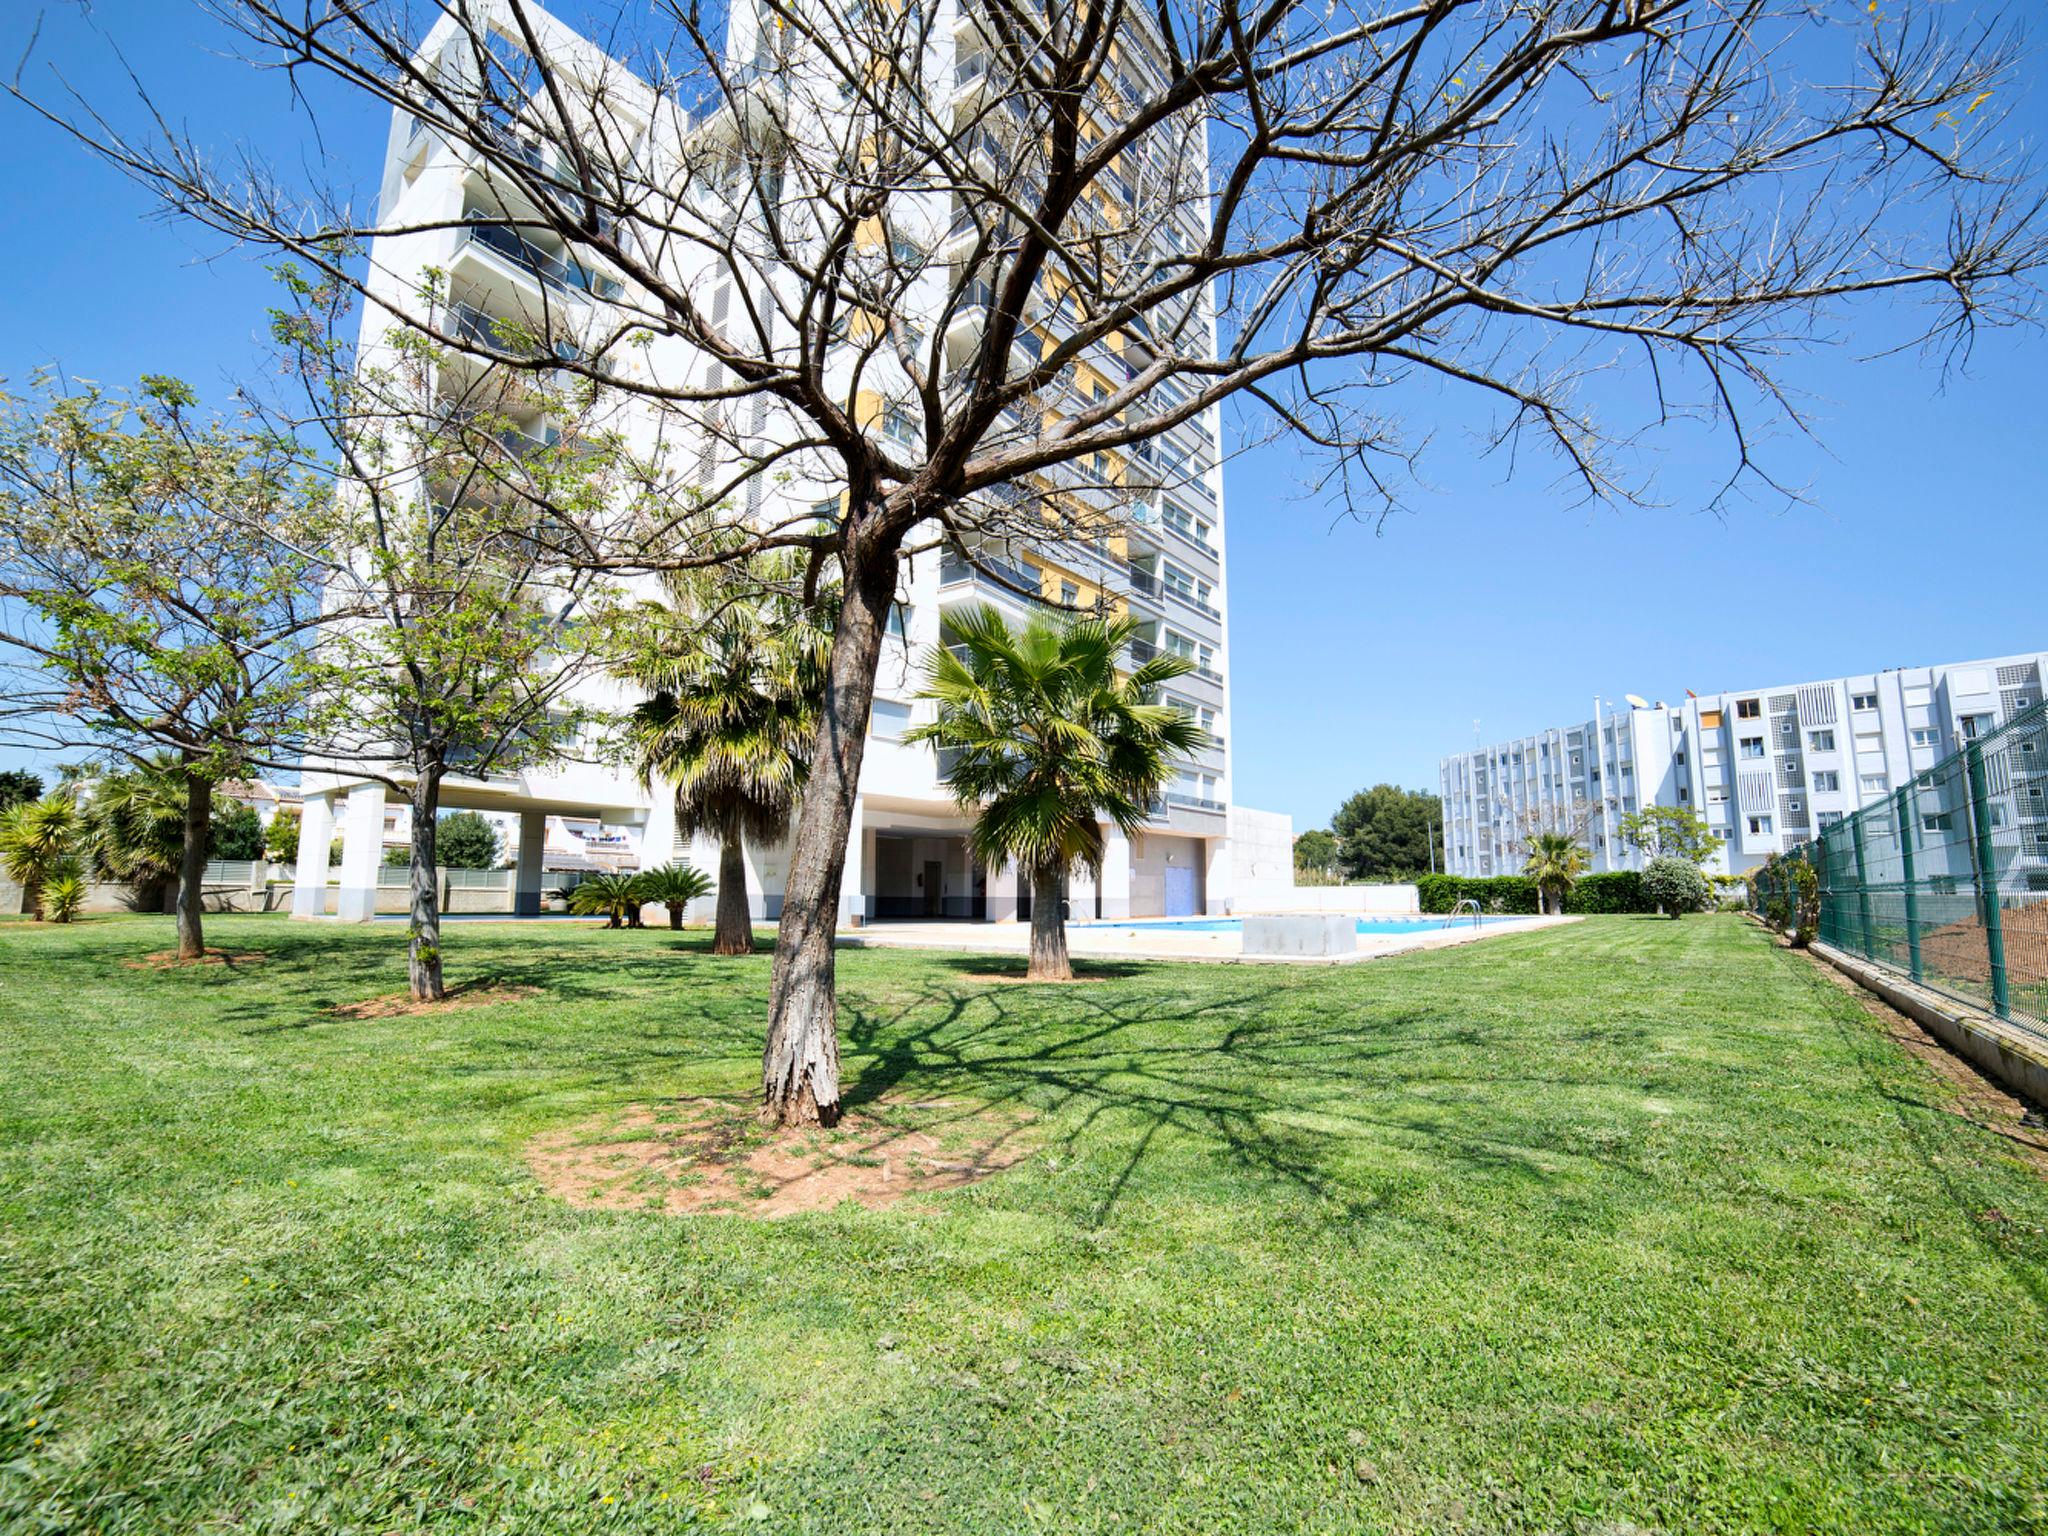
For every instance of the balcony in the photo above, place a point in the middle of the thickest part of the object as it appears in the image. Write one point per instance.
(990, 577)
(549, 268)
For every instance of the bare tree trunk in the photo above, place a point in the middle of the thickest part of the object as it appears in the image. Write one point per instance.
(1049, 960)
(192, 866)
(800, 1068)
(423, 954)
(735, 923)
(675, 915)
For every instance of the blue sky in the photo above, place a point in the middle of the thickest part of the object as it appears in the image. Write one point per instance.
(1359, 653)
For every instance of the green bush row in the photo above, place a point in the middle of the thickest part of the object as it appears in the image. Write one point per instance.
(1619, 891)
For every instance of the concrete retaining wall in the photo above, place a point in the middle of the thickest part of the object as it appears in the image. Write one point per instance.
(2015, 1058)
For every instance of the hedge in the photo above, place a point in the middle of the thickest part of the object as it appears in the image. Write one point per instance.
(1620, 891)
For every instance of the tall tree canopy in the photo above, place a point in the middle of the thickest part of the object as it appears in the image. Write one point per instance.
(1386, 831)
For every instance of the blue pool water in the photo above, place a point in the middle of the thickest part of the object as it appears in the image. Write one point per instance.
(1366, 925)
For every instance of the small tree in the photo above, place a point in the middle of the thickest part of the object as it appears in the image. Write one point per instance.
(467, 840)
(1316, 854)
(614, 897)
(158, 595)
(1669, 831)
(36, 838)
(1675, 885)
(1050, 737)
(281, 837)
(1555, 863)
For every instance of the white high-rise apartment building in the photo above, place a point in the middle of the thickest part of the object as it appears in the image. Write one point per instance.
(1162, 560)
(1767, 767)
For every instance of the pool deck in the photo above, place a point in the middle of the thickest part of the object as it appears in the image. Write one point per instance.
(1136, 941)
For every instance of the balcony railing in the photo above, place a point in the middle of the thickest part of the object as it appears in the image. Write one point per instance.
(990, 576)
(545, 265)
(1192, 802)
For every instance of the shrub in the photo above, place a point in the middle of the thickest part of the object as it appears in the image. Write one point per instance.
(466, 840)
(64, 889)
(1675, 885)
(281, 837)
(1617, 891)
(1805, 902)
(1508, 894)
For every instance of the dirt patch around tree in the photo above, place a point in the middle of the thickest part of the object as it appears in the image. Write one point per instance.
(397, 1005)
(1977, 1098)
(713, 1156)
(167, 959)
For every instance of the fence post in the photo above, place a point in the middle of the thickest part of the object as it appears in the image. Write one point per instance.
(1869, 929)
(1908, 814)
(1987, 879)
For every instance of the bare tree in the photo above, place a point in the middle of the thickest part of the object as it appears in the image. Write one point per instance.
(968, 268)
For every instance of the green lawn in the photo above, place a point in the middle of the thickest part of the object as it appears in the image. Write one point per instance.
(1628, 1226)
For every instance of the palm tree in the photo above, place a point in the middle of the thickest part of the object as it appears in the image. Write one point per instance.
(673, 886)
(35, 837)
(612, 896)
(1555, 862)
(1050, 738)
(735, 682)
(135, 824)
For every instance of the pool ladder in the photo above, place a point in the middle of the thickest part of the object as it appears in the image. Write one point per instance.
(1478, 914)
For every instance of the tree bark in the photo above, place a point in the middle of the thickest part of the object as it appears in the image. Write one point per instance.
(1049, 960)
(192, 866)
(675, 915)
(800, 1068)
(423, 954)
(735, 924)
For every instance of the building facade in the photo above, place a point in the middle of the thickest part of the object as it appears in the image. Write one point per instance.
(1153, 550)
(1766, 767)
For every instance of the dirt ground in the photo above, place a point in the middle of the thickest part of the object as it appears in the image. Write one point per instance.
(1975, 1097)
(712, 1156)
(395, 1005)
(167, 959)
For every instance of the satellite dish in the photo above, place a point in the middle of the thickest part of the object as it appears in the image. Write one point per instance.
(1636, 700)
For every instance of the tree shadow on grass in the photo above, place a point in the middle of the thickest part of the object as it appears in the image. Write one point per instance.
(1315, 1084)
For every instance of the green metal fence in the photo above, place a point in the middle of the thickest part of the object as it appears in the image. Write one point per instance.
(1946, 879)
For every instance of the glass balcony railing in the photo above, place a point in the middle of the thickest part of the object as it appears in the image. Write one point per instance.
(549, 267)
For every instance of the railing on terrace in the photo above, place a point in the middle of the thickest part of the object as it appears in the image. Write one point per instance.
(1945, 879)
(545, 265)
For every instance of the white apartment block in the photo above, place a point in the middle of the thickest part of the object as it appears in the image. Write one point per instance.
(1162, 563)
(1767, 767)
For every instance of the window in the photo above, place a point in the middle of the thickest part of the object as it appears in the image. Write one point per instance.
(898, 424)
(1873, 783)
(1749, 709)
(1794, 804)
(1751, 746)
(1937, 821)
(890, 720)
(899, 620)
(1827, 819)
(1863, 701)
(1826, 781)
(1710, 719)
(1925, 736)
(1760, 825)
(1820, 741)
(1974, 726)
(1070, 595)
(1717, 794)
(1684, 794)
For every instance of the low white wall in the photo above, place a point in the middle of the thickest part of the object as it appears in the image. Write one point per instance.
(1364, 900)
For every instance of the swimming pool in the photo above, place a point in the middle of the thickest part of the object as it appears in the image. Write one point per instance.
(1366, 925)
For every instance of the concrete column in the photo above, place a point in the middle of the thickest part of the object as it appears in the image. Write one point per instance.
(1002, 892)
(853, 905)
(658, 837)
(1116, 874)
(362, 850)
(316, 832)
(526, 870)
(1216, 883)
